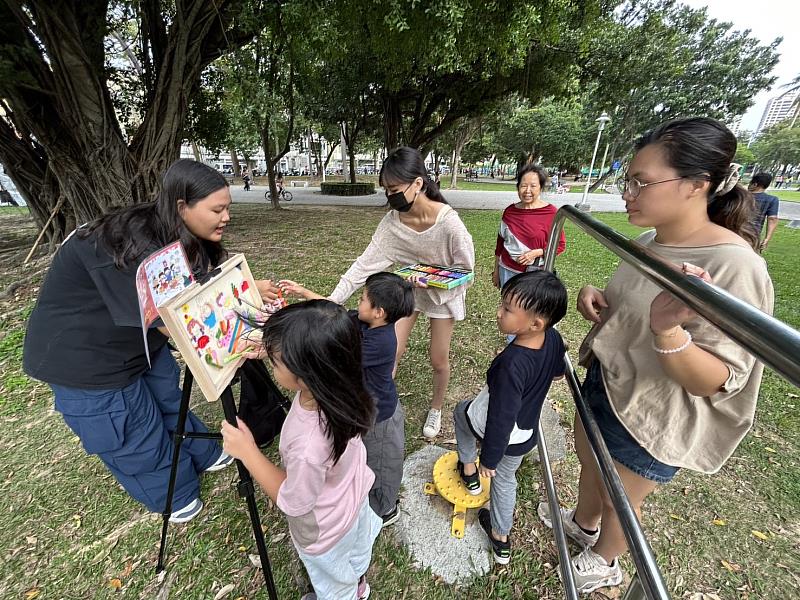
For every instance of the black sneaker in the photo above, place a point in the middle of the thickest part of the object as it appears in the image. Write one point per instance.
(501, 550)
(471, 482)
(391, 517)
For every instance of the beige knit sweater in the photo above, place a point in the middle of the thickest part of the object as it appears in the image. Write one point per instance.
(672, 425)
(447, 242)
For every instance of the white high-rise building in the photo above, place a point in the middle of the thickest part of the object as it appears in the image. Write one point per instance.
(735, 125)
(778, 108)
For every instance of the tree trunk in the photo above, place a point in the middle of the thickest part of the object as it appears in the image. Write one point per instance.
(273, 187)
(59, 133)
(392, 122)
(266, 142)
(456, 161)
(464, 135)
(352, 160)
(331, 149)
(317, 149)
(196, 151)
(235, 163)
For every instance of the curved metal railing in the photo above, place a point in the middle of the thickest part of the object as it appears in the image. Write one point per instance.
(768, 339)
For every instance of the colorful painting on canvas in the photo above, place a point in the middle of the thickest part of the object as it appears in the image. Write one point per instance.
(212, 322)
(219, 319)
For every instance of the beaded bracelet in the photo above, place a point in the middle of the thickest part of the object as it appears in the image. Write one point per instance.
(680, 348)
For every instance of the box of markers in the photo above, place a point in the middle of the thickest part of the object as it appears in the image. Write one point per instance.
(435, 276)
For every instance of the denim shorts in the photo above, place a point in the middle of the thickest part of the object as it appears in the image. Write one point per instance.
(621, 445)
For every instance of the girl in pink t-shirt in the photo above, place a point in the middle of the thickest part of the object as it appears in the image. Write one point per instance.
(323, 487)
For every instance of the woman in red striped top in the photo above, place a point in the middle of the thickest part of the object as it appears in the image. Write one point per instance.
(525, 228)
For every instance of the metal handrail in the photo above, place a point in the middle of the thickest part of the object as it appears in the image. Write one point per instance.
(567, 576)
(771, 341)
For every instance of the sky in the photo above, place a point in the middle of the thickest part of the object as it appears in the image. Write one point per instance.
(767, 20)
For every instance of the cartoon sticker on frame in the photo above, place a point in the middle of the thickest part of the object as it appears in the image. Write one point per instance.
(211, 323)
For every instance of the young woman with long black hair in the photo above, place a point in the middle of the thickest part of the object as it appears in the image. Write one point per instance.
(84, 338)
(420, 228)
(324, 482)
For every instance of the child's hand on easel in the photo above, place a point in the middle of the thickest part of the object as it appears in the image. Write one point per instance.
(254, 349)
(269, 291)
(238, 441)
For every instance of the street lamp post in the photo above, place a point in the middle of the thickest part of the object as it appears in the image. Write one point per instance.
(601, 121)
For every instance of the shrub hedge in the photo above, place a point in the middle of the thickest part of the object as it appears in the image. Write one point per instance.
(338, 188)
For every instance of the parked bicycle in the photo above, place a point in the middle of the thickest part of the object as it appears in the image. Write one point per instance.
(283, 194)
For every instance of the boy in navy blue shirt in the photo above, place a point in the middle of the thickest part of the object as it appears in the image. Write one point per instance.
(386, 299)
(505, 414)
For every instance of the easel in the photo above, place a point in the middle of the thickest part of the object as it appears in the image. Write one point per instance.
(245, 487)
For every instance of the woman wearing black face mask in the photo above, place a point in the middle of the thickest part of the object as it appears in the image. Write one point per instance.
(421, 228)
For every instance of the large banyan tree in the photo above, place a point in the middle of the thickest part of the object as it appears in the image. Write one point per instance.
(94, 96)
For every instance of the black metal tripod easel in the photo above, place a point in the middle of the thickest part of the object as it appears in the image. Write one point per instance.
(246, 489)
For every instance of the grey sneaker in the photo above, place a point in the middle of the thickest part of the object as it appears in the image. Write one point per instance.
(593, 572)
(187, 513)
(392, 516)
(571, 528)
(433, 424)
(223, 461)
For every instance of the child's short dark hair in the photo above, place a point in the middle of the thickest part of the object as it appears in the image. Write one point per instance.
(538, 292)
(392, 293)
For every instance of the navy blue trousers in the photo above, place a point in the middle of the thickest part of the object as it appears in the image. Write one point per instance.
(131, 428)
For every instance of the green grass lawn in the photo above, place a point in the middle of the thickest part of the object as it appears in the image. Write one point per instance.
(71, 532)
(788, 195)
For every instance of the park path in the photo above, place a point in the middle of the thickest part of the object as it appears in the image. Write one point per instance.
(494, 200)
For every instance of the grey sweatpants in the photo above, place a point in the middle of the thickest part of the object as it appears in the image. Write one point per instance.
(385, 444)
(503, 491)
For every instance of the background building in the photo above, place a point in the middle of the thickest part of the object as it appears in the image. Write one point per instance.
(778, 108)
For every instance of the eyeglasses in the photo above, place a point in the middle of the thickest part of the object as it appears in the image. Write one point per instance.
(634, 186)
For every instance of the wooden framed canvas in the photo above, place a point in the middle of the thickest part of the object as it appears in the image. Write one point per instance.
(211, 322)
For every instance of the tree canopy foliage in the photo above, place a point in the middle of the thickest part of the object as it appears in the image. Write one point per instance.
(97, 96)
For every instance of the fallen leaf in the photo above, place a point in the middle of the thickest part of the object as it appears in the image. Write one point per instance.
(115, 584)
(255, 560)
(791, 395)
(242, 548)
(768, 449)
(676, 517)
(30, 539)
(127, 571)
(719, 522)
(32, 593)
(277, 538)
(760, 535)
(224, 591)
(732, 567)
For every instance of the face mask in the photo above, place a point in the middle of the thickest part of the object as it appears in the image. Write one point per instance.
(398, 200)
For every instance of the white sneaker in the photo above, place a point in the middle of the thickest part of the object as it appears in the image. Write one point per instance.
(223, 461)
(593, 572)
(187, 513)
(433, 424)
(571, 528)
